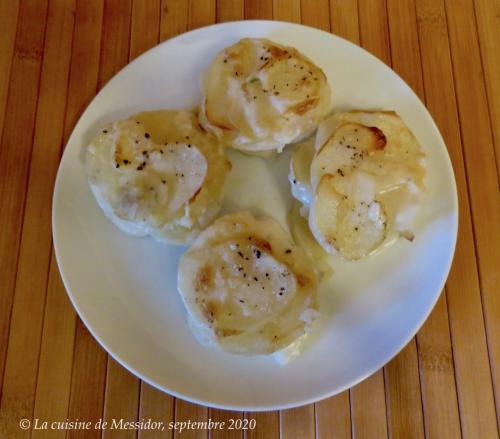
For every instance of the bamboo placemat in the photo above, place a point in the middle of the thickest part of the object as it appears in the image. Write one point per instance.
(56, 54)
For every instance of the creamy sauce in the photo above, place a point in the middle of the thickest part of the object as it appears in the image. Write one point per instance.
(388, 183)
(132, 228)
(291, 352)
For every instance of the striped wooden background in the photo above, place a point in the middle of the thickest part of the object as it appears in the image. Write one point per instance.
(56, 54)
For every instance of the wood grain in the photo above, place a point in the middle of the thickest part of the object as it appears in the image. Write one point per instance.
(14, 165)
(115, 40)
(482, 177)
(287, 10)
(487, 14)
(8, 23)
(174, 18)
(56, 54)
(333, 417)
(157, 406)
(230, 10)
(267, 425)
(258, 9)
(88, 382)
(403, 39)
(470, 355)
(228, 418)
(344, 19)
(434, 340)
(121, 400)
(201, 13)
(437, 377)
(368, 411)
(21, 367)
(84, 68)
(298, 423)
(316, 13)
(89, 360)
(404, 400)
(56, 356)
(185, 412)
(57, 377)
(374, 31)
(144, 26)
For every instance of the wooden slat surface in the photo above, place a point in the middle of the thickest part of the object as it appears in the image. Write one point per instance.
(15, 150)
(368, 408)
(158, 406)
(487, 15)
(9, 11)
(482, 177)
(437, 382)
(21, 367)
(472, 368)
(56, 54)
(89, 361)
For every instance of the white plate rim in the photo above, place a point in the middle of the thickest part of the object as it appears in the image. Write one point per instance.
(304, 401)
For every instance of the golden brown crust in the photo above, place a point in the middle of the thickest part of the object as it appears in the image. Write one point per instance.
(303, 107)
(157, 173)
(251, 285)
(204, 278)
(259, 96)
(366, 182)
(379, 138)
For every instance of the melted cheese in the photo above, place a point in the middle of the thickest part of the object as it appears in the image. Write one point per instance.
(151, 174)
(259, 96)
(300, 172)
(364, 183)
(247, 287)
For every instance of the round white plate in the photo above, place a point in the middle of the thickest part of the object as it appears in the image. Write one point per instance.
(124, 288)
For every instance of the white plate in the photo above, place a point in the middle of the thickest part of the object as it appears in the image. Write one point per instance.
(124, 288)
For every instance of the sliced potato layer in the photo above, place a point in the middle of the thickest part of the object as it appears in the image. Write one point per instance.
(157, 173)
(301, 234)
(299, 175)
(366, 182)
(259, 95)
(246, 287)
(353, 225)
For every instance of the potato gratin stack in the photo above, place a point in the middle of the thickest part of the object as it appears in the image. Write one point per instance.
(362, 182)
(260, 96)
(247, 287)
(157, 174)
